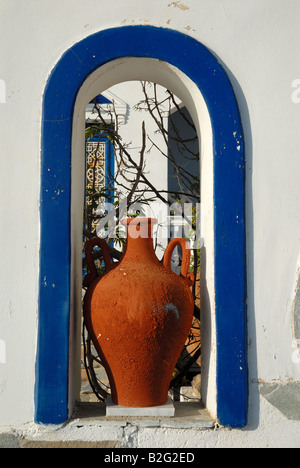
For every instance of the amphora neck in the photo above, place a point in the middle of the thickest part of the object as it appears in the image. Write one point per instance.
(139, 245)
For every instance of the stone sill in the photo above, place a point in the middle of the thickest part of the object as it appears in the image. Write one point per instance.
(187, 415)
(89, 427)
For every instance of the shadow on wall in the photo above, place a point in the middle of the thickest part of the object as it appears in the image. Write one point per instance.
(296, 311)
(205, 327)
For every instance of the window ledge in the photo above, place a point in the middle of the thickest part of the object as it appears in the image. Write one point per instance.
(187, 415)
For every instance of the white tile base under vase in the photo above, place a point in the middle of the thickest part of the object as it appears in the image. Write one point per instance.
(166, 410)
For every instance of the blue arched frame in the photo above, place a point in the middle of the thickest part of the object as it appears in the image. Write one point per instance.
(200, 65)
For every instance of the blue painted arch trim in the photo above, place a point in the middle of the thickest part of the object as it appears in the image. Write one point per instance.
(198, 63)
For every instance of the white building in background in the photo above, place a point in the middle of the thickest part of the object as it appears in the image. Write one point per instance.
(127, 119)
(257, 44)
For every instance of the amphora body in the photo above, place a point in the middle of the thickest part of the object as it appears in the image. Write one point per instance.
(138, 315)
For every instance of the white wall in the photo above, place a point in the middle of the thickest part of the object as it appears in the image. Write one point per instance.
(258, 43)
(131, 133)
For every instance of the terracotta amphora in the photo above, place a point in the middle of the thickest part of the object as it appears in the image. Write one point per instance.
(138, 315)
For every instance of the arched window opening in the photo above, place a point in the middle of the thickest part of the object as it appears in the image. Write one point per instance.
(142, 159)
(192, 73)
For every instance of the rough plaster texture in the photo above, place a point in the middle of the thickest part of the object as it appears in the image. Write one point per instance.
(258, 43)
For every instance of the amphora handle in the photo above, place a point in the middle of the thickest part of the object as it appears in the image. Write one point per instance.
(93, 274)
(186, 258)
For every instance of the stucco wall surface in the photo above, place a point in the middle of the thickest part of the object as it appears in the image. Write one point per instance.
(265, 433)
(258, 43)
